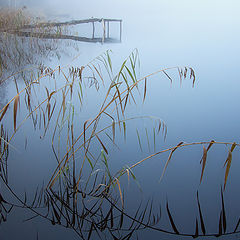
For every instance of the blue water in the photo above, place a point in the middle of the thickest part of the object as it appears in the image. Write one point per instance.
(200, 35)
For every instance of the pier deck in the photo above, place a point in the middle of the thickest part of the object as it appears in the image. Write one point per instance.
(106, 38)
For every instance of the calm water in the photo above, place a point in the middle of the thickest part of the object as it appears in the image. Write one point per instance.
(200, 35)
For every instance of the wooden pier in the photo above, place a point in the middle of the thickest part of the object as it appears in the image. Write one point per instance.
(105, 38)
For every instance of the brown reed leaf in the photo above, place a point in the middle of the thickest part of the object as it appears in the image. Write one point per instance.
(71, 89)
(237, 225)
(84, 132)
(168, 76)
(113, 131)
(228, 162)
(180, 76)
(53, 108)
(201, 217)
(128, 174)
(204, 159)
(15, 108)
(171, 220)
(51, 94)
(145, 89)
(63, 103)
(120, 191)
(169, 158)
(126, 99)
(233, 146)
(120, 100)
(192, 76)
(196, 230)
(220, 225)
(105, 149)
(4, 111)
(124, 129)
(15, 81)
(44, 120)
(185, 72)
(210, 145)
(181, 72)
(48, 96)
(159, 125)
(224, 220)
(28, 101)
(99, 74)
(164, 130)
(231, 150)
(48, 109)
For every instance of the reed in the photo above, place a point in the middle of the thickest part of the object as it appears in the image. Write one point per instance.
(14, 18)
(80, 194)
(19, 55)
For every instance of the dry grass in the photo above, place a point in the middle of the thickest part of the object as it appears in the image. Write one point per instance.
(14, 19)
(68, 200)
(19, 55)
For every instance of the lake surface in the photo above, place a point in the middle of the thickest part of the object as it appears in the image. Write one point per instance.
(88, 155)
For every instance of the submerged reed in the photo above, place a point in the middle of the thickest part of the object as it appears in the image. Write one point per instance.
(82, 192)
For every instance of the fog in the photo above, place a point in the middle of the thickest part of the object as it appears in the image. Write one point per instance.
(174, 17)
(198, 11)
(201, 34)
(169, 32)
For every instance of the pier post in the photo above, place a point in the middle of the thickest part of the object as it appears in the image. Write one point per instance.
(108, 29)
(104, 30)
(120, 30)
(105, 35)
(93, 34)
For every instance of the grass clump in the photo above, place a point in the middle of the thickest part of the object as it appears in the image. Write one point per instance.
(84, 193)
(14, 18)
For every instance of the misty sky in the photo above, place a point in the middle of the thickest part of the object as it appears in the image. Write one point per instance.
(195, 15)
(170, 24)
(226, 10)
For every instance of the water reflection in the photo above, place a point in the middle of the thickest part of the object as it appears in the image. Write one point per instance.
(53, 30)
(18, 53)
(98, 170)
(85, 192)
(21, 56)
(27, 42)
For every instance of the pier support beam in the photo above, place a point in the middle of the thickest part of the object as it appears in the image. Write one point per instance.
(120, 37)
(93, 33)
